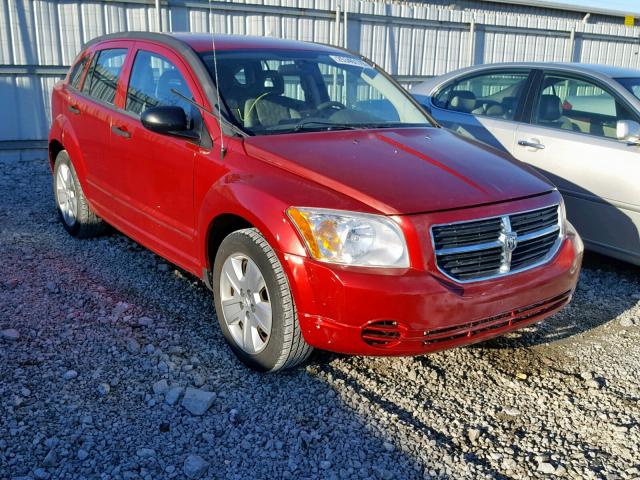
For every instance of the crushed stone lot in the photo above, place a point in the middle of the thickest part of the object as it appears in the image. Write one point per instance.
(112, 366)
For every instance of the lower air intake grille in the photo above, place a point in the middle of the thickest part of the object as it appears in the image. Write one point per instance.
(381, 333)
(506, 319)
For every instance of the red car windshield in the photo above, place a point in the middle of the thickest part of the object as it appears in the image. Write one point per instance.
(269, 92)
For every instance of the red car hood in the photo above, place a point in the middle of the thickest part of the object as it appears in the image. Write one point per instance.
(401, 171)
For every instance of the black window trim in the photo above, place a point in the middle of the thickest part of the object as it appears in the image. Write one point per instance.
(536, 90)
(483, 72)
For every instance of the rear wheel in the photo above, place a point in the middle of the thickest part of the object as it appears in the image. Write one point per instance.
(254, 304)
(75, 213)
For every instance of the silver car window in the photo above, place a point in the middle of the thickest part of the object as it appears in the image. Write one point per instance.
(631, 84)
(494, 94)
(578, 105)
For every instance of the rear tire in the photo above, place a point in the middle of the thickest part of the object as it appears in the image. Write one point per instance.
(75, 213)
(254, 305)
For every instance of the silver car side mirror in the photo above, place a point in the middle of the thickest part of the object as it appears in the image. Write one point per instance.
(628, 131)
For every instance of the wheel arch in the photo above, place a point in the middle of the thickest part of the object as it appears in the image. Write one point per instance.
(55, 147)
(219, 228)
(231, 207)
(63, 137)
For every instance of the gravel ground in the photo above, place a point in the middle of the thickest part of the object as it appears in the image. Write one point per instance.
(100, 338)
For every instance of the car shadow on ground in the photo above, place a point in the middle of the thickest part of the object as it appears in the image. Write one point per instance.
(569, 322)
(444, 441)
(91, 279)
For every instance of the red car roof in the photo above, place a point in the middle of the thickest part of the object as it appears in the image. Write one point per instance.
(201, 42)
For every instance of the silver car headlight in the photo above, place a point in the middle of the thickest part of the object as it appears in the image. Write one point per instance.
(351, 238)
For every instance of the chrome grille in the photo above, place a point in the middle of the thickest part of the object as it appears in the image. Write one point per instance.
(528, 222)
(491, 247)
(463, 234)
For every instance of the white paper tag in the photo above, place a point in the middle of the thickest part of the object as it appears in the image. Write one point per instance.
(356, 62)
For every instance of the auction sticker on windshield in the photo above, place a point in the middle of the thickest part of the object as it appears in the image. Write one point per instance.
(356, 62)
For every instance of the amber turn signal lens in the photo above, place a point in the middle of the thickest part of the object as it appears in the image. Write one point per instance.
(301, 220)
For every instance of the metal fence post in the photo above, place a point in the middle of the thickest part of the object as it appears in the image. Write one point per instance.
(572, 45)
(472, 42)
(336, 38)
(346, 8)
(158, 17)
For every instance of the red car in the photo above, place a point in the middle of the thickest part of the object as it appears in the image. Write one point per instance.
(312, 194)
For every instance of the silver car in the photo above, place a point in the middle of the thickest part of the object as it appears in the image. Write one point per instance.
(577, 124)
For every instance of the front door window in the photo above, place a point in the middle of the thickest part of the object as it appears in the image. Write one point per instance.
(578, 105)
(156, 81)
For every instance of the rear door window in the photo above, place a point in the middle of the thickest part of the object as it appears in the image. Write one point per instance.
(495, 94)
(102, 79)
(156, 81)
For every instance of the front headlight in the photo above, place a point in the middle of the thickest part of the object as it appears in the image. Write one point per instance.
(351, 238)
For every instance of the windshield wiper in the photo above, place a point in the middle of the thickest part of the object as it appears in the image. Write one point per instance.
(389, 125)
(351, 126)
(308, 123)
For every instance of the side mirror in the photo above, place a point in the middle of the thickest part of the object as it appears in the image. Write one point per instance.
(628, 131)
(168, 120)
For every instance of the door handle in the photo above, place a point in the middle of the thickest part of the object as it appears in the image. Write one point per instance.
(73, 109)
(533, 143)
(120, 131)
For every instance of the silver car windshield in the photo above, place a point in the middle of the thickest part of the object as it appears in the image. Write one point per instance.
(271, 92)
(631, 84)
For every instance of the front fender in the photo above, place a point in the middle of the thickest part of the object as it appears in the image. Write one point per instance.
(262, 209)
(267, 213)
(260, 193)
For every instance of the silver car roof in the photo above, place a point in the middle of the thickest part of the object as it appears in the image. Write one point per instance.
(604, 72)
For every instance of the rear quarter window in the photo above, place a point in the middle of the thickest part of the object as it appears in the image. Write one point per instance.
(75, 75)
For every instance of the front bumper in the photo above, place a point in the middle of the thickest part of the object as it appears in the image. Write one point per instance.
(385, 312)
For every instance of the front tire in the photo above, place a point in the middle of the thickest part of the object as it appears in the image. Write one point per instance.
(254, 305)
(73, 209)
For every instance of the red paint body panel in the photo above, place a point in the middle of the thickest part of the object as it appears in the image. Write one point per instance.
(165, 192)
(434, 169)
(339, 302)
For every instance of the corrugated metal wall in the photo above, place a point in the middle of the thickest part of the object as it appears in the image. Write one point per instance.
(39, 38)
(509, 7)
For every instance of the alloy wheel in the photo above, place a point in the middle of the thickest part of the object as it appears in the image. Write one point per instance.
(66, 195)
(246, 304)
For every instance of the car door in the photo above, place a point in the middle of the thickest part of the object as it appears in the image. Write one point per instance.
(89, 115)
(571, 138)
(157, 170)
(484, 106)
